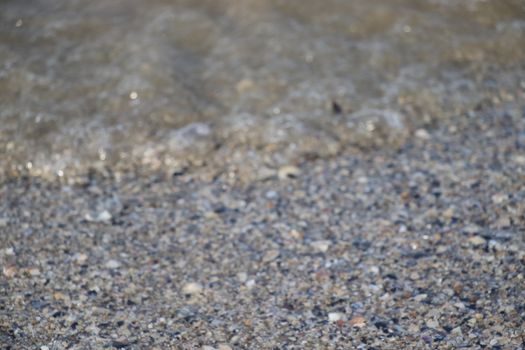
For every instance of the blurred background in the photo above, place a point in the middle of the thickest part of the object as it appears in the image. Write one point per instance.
(252, 83)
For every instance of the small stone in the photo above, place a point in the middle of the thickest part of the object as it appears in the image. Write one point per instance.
(80, 258)
(441, 249)
(207, 347)
(519, 159)
(9, 251)
(414, 276)
(457, 331)
(297, 235)
(321, 246)
(457, 287)
(104, 216)
(477, 241)
(250, 284)
(422, 134)
(420, 297)
(59, 296)
(335, 316)
(120, 343)
(3, 222)
(32, 271)
(472, 229)
(244, 85)
(499, 198)
(374, 270)
(192, 288)
(271, 194)
(358, 321)
(224, 347)
(288, 172)
(427, 339)
(113, 264)
(460, 306)
(242, 276)
(9, 271)
(432, 323)
(448, 213)
(43, 347)
(413, 328)
(270, 255)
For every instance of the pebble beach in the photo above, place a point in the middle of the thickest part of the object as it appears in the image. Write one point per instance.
(322, 222)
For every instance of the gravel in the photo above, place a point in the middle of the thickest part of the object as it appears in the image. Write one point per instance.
(377, 249)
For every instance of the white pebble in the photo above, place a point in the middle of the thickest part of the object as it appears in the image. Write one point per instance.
(335, 316)
(104, 216)
(321, 246)
(288, 171)
(113, 264)
(192, 288)
(477, 241)
(242, 276)
(250, 284)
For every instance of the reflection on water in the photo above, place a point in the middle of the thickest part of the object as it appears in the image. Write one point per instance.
(160, 82)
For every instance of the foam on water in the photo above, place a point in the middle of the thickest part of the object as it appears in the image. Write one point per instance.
(163, 83)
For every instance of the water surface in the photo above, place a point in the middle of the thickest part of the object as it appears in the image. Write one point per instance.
(160, 83)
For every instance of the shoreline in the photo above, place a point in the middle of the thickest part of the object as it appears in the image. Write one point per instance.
(421, 247)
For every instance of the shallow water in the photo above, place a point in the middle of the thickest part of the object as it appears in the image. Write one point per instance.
(163, 83)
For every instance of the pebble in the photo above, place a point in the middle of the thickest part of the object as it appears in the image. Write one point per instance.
(224, 347)
(432, 323)
(103, 216)
(80, 258)
(422, 134)
(244, 85)
(192, 288)
(32, 271)
(271, 194)
(250, 284)
(297, 235)
(457, 331)
(9, 271)
(288, 171)
(374, 270)
(358, 321)
(420, 297)
(59, 296)
(113, 264)
(477, 241)
(499, 198)
(321, 246)
(242, 277)
(9, 251)
(270, 255)
(335, 316)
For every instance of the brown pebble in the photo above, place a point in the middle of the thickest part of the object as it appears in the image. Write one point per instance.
(358, 321)
(9, 271)
(457, 287)
(59, 296)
